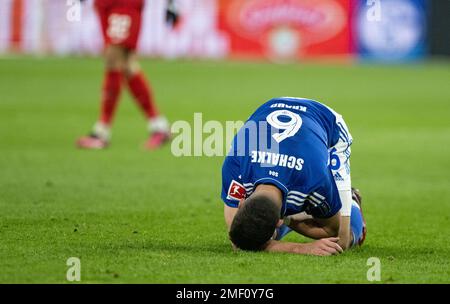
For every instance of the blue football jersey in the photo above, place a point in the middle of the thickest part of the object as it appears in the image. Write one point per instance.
(286, 143)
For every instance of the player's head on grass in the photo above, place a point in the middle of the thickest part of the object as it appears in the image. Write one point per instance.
(254, 222)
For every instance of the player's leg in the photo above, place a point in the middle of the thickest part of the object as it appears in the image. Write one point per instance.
(115, 23)
(120, 22)
(358, 224)
(351, 217)
(352, 229)
(115, 61)
(141, 90)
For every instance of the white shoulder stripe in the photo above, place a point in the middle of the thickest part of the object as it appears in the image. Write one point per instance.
(315, 199)
(318, 195)
(295, 198)
(293, 203)
(297, 193)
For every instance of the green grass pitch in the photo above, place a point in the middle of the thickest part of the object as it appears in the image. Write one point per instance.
(133, 216)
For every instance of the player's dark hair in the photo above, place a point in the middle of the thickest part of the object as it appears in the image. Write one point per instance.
(254, 223)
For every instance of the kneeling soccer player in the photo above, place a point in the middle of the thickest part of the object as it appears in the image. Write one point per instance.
(121, 24)
(300, 181)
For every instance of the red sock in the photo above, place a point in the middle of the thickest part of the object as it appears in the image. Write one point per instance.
(143, 94)
(111, 91)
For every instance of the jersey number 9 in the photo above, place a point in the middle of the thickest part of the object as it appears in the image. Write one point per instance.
(290, 127)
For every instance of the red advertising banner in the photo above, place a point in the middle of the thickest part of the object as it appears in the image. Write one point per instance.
(276, 29)
(287, 29)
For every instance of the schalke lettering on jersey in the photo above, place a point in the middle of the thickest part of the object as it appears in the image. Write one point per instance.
(275, 159)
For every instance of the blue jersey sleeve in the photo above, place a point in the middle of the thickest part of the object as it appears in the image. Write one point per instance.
(232, 189)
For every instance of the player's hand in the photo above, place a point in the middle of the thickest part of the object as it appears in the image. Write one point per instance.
(325, 247)
(172, 15)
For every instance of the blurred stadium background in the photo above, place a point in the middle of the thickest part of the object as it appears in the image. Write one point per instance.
(135, 216)
(291, 29)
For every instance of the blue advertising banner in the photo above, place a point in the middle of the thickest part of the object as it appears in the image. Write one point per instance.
(391, 30)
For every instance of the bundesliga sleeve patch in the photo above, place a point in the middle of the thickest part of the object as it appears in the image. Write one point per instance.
(236, 191)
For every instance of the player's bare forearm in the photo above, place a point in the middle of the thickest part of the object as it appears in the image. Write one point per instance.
(315, 228)
(310, 228)
(286, 247)
(323, 247)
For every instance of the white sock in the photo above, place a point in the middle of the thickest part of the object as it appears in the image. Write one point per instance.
(102, 130)
(158, 124)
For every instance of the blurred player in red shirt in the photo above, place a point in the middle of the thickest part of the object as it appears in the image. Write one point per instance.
(121, 23)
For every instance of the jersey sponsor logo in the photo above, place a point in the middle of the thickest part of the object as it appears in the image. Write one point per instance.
(236, 191)
(275, 159)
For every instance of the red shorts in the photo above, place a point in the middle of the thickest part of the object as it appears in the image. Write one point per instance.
(120, 21)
